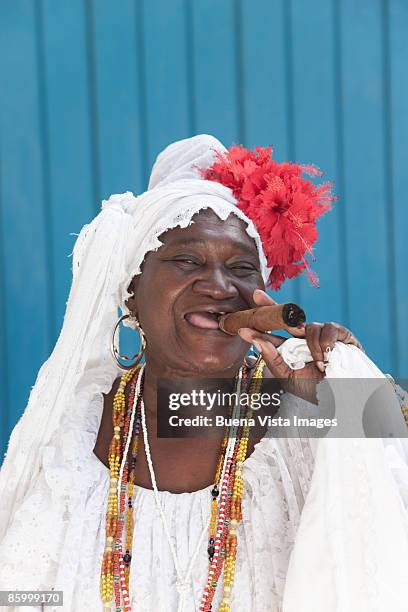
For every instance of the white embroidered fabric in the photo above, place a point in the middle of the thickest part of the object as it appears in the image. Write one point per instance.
(324, 522)
(57, 542)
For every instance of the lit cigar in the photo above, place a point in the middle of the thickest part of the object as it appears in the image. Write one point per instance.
(287, 317)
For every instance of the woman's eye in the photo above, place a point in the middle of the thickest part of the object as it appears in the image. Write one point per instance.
(243, 268)
(187, 261)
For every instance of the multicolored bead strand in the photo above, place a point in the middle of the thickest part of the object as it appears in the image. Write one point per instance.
(114, 458)
(129, 424)
(127, 557)
(215, 490)
(236, 499)
(119, 575)
(216, 563)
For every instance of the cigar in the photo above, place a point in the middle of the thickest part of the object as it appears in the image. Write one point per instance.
(289, 317)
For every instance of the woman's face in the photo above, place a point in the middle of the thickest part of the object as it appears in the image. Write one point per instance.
(208, 267)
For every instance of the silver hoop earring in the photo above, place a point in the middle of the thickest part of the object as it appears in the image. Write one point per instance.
(254, 354)
(136, 358)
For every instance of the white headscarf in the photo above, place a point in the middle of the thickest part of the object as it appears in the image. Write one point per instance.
(107, 254)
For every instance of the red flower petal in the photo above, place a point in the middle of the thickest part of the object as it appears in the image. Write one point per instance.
(282, 204)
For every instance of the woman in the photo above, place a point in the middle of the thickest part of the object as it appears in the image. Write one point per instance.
(86, 445)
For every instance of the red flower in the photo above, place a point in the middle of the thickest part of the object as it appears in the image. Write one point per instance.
(282, 204)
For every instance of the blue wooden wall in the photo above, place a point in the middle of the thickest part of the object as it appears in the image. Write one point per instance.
(92, 90)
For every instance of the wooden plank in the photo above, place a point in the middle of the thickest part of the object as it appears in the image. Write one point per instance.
(265, 92)
(166, 78)
(216, 70)
(314, 125)
(367, 256)
(396, 23)
(68, 176)
(4, 390)
(24, 214)
(118, 95)
(267, 87)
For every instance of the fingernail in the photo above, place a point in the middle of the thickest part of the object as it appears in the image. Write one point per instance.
(321, 366)
(244, 335)
(326, 354)
(258, 346)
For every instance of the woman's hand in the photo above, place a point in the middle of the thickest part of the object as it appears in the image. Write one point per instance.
(320, 338)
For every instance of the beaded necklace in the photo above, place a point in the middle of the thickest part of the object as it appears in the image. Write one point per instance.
(226, 496)
(229, 510)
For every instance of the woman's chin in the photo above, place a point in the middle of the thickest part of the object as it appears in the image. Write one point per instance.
(209, 363)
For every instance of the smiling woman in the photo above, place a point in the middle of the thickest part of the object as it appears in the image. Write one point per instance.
(97, 505)
(209, 267)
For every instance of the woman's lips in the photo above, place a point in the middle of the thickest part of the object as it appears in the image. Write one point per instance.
(203, 320)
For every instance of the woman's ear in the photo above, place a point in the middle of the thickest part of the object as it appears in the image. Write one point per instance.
(131, 302)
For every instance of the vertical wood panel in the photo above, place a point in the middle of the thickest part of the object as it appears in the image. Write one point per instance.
(216, 70)
(340, 152)
(365, 194)
(117, 68)
(266, 90)
(118, 97)
(167, 93)
(25, 222)
(93, 111)
(4, 381)
(314, 135)
(67, 148)
(397, 24)
(264, 76)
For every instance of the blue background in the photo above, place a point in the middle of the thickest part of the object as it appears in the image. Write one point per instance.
(92, 91)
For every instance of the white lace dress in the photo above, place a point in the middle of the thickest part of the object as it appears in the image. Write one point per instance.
(48, 546)
(324, 529)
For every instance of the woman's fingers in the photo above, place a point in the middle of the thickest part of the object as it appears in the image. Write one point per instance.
(345, 335)
(328, 338)
(322, 337)
(267, 345)
(299, 382)
(261, 298)
(251, 335)
(297, 332)
(312, 335)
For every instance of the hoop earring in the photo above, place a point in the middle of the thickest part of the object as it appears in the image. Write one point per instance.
(256, 363)
(115, 353)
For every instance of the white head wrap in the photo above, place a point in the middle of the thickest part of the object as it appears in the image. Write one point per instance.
(176, 192)
(107, 254)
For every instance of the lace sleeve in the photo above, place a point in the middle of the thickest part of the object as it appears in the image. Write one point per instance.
(42, 545)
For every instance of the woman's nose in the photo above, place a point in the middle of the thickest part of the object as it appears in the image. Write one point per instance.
(215, 283)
